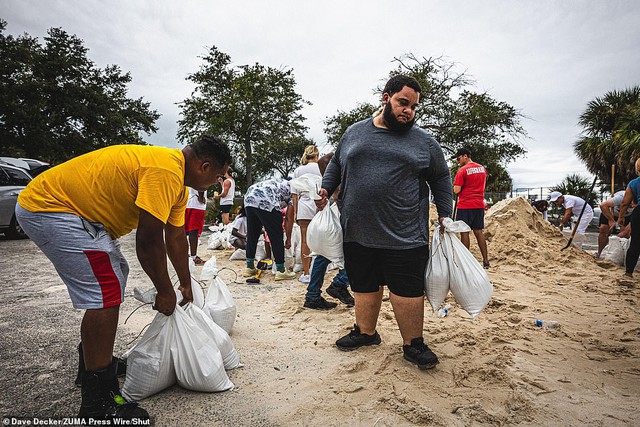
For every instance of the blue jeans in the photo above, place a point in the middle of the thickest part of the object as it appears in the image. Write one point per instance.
(314, 289)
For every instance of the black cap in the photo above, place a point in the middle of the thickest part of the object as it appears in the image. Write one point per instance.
(461, 152)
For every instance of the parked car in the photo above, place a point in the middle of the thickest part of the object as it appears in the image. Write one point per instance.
(12, 181)
(36, 167)
(33, 166)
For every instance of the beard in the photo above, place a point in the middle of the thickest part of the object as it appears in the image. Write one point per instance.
(392, 123)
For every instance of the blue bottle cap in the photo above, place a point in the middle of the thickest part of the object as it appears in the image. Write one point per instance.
(539, 323)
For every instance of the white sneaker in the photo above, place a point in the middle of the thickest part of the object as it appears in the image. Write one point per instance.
(305, 278)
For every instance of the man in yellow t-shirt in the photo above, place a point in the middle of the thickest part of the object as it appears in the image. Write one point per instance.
(76, 211)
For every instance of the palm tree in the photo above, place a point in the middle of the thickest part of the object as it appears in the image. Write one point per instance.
(611, 135)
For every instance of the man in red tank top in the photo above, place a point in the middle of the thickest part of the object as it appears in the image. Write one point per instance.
(469, 186)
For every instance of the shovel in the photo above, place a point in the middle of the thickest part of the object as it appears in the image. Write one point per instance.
(575, 227)
(263, 265)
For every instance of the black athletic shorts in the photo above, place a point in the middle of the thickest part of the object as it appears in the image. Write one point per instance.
(604, 221)
(474, 218)
(402, 271)
(225, 208)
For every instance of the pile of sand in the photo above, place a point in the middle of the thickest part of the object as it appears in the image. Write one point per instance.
(519, 236)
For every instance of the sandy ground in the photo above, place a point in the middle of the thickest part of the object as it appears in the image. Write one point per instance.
(496, 370)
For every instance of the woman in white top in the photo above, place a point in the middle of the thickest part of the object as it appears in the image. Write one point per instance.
(303, 207)
(226, 196)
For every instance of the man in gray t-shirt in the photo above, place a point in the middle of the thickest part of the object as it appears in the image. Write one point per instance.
(386, 168)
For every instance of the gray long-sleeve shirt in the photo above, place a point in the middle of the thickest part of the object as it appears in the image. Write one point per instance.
(384, 197)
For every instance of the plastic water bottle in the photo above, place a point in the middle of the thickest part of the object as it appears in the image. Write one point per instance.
(444, 310)
(547, 324)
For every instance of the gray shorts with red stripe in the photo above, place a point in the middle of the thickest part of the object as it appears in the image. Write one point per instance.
(87, 259)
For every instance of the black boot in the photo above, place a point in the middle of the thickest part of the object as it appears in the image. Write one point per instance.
(101, 397)
(122, 366)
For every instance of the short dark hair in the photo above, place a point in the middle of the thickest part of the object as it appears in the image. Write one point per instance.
(212, 149)
(396, 83)
(323, 162)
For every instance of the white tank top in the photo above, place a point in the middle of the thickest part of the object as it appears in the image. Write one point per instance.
(228, 199)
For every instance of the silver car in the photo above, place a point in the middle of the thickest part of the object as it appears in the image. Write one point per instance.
(12, 181)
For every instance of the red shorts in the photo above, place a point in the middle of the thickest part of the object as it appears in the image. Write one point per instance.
(193, 220)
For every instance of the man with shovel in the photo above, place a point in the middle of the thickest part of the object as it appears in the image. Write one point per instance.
(573, 205)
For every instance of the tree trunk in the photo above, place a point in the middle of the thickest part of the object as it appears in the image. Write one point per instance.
(248, 162)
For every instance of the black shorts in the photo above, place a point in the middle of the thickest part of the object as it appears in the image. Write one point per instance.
(474, 218)
(604, 221)
(225, 208)
(401, 270)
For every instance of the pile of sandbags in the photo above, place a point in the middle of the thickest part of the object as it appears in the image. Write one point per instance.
(191, 347)
(219, 238)
(453, 267)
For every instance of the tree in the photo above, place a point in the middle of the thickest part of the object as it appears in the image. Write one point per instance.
(252, 107)
(456, 116)
(289, 150)
(336, 125)
(576, 185)
(55, 103)
(611, 135)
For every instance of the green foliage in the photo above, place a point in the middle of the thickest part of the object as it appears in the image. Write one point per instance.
(55, 103)
(283, 156)
(254, 108)
(456, 116)
(611, 135)
(576, 185)
(336, 125)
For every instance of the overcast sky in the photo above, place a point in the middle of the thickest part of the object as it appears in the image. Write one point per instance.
(548, 59)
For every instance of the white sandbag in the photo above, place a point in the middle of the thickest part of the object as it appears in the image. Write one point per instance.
(192, 266)
(219, 304)
(324, 235)
(307, 183)
(224, 236)
(436, 282)
(145, 297)
(238, 255)
(214, 241)
(149, 296)
(219, 240)
(197, 292)
(469, 282)
(209, 269)
(260, 251)
(230, 357)
(149, 366)
(615, 250)
(196, 358)
(625, 246)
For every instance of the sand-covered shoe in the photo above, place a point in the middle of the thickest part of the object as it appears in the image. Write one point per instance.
(355, 339)
(420, 354)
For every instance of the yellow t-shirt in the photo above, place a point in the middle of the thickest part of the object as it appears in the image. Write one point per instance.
(111, 185)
